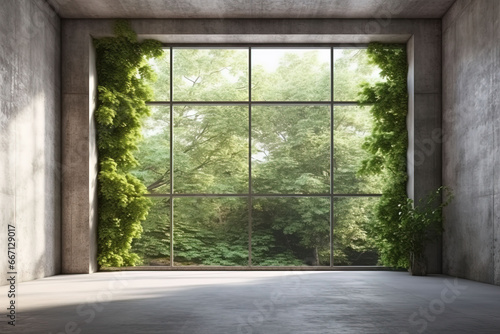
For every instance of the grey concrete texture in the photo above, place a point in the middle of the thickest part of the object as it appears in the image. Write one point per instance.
(279, 39)
(471, 122)
(410, 126)
(257, 302)
(78, 141)
(250, 9)
(496, 153)
(378, 28)
(30, 137)
(424, 128)
(454, 12)
(76, 192)
(79, 151)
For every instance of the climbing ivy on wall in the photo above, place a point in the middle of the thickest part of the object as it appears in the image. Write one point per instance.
(123, 74)
(388, 145)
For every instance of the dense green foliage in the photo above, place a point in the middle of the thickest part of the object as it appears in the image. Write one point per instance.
(388, 145)
(290, 155)
(419, 224)
(122, 72)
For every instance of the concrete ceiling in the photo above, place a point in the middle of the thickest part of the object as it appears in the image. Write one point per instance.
(251, 8)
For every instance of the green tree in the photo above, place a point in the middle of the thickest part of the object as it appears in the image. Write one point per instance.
(290, 155)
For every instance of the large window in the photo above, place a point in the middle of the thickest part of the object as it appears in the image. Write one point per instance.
(251, 158)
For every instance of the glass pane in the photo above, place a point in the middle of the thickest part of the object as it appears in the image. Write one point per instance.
(290, 231)
(291, 75)
(291, 149)
(353, 243)
(153, 152)
(351, 69)
(211, 149)
(211, 231)
(154, 244)
(351, 127)
(210, 74)
(161, 87)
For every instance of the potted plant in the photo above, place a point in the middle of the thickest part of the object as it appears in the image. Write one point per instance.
(420, 224)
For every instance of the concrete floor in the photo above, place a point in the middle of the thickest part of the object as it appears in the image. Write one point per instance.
(217, 302)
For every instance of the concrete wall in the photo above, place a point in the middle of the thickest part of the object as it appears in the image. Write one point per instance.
(78, 192)
(79, 154)
(471, 122)
(30, 137)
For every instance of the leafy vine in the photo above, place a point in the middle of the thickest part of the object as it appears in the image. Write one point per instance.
(388, 144)
(123, 74)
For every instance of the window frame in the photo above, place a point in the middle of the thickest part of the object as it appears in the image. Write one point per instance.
(250, 195)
